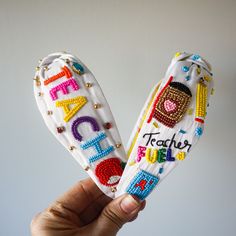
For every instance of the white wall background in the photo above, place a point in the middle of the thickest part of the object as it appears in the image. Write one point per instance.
(128, 46)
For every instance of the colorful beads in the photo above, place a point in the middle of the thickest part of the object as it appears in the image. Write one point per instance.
(187, 78)
(155, 124)
(161, 170)
(76, 67)
(151, 158)
(198, 131)
(169, 155)
(78, 103)
(64, 72)
(95, 143)
(207, 78)
(109, 171)
(185, 68)
(80, 120)
(177, 54)
(199, 70)
(201, 100)
(181, 156)
(107, 125)
(60, 129)
(64, 88)
(182, 131)
(172, 104)
(141, 153)
(142, 184)
(195, 57)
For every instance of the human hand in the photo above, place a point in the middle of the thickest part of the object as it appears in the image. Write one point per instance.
(86, 210)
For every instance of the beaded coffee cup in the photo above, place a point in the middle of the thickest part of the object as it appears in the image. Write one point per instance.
(169, 125)
(76, 112)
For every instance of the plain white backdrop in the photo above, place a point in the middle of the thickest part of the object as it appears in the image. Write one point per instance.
(128, 46)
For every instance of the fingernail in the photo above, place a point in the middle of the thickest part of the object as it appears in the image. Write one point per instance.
(129, 204)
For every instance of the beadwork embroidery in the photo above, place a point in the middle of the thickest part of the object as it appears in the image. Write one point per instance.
(157, 99)
(109, 171)
(80, 120)
(64, 72)
(181, 156)
(77, 68)
(155, 124)
(201, 102)
(142, 184)
(198, 131)
(63, 87)
(78, 103)
(151, 158)
(95, 143)
(172, 104)
(169, 155)
(141, 153)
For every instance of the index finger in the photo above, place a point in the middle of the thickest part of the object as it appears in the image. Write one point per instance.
(80, 196)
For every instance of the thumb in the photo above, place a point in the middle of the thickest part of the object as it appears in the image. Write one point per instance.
(116, 213)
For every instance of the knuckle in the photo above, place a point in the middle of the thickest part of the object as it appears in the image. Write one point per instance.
(113, 217)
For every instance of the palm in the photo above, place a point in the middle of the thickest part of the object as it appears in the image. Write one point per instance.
(73, 213)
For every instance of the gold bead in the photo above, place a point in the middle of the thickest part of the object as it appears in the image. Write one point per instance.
(97, 105)
(198, 70)
(88, 85)
(118, 145)
(212, 91)
(50, 112)
(71, 148)
(46, 68)
(40, 94)
(67, 61)
(86, 168)
(37, 68)
(37, 81)
(113, 189)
